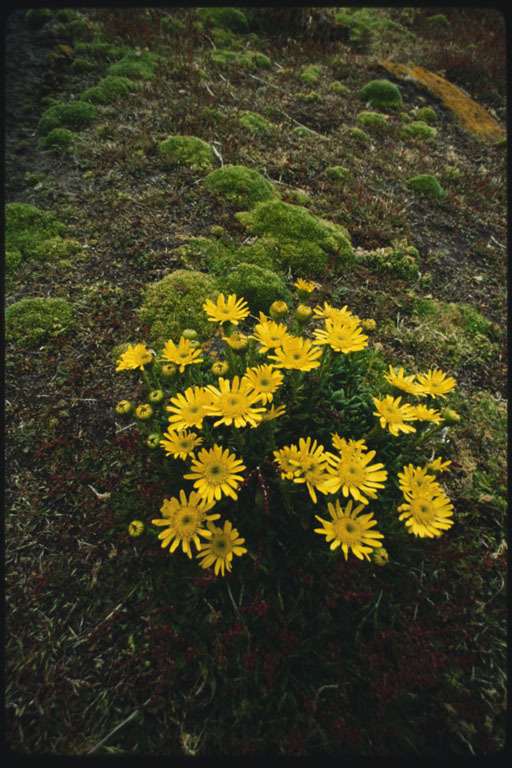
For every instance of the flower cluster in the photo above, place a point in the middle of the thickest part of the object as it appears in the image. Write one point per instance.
(228, 418)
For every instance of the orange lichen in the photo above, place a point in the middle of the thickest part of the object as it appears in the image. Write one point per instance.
(471, 116)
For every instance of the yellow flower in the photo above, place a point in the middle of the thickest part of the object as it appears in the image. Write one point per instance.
(438, 465)
(220, 548)
(135, 528)
(237, 341)
(405, 383)
(263, 381)
(273, 413)
(188, 409)
(422, 413)
(352, 472)
(427, 514)
(183, 520)
(304, 287)
(393, 415)
(230, 310)
(134, 357)
(436, 383)
(380, 556)
(287, 459)
(296, 353)
(278, 309)
(303, 314)
(220, 368)
(234, 404)
(369, 324)
(416, 480)
(214, 473)
(350, 447)
(144, 411)
(169, 370)
(124, 406)
(183, 354)
(450, 416)
(312, 464)
(181, 444)
(350, 530)
(328, 312)
(269, 334)
(341, 335)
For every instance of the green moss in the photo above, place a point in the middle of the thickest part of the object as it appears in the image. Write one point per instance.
(58, 138)
(259, 287)
(108, 90)
(255, 123)
(250, 60)
(419, 130)
(358, 134)
(229, 18)
(426, 184)
(382, 94)
(26, 227)
(135, 64)
(400, 260)
(176, 302)
(30, 322)
(13, 259)
(338, 173)
(301, 130)
(186, 149)
(373, 120)
(65, 15)
(100, 50)
(36, 18)
(311, 74)
(56, 249)
(171, 26)
(438, 18)
(239, 184)
(337, 87)
(80, 65)
(427, 115)
(303, 242)
(224, 39)
(74, 115)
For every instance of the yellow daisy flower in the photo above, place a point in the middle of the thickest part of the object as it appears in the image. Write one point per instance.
(427, 514)
(220, 548)
(405, 383)
(438, 465)
(422, 413)
(181, 444)
(296, 353)
(234, 404)
(237, 341)
(304, 287)
(393, 415)
(183, 354)
(263, 381)
(230, 310)
(436, 383)
(183, 520)
(287, 459)
(341, 336)
(269, 333)
(215, 472)
(273, 413)
(328, 312)
(350, 530)
(416, 480)
(134, 357)
(312, 464)
(352, 472)
(188, 409)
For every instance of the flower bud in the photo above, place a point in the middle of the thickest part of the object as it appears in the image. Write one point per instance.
(135, 528)
(380, 556)
(237, 341)
(156, 396)
(303, 314)
(124, 406)
(450, 416)
(369, 324)
(278, 310)
(169, 370)
(153, 440)
(189, 333)
(220, 368)
(144, 411)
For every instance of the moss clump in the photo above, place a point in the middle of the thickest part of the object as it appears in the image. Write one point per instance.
(171, 26)
(29, 322)
(74, 115)
(373, 120)
(258, 286)
(135, 64)
(27, 227)
(311, 74)
(427, 115)
(186, 149)
(302, 241)
(12, 260)
(176, 302)
(358, 134)
(419, 130)
(249, 60)
(382, 94)
(426, 184)
(101, 50)
(400, 260)
(108, 90)
(239, 184)
(255, 123)
(338, 173)
(80, 65)
(58, 138)
(337, 87)
(301, 130)
(36, 18)
(56, 249)
(229, 18)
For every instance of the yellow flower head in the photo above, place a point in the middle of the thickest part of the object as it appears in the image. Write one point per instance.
(134, 357)
(219, 549)
(237, 341)
(296, 353)
(405, 383)
(352, 472)
(435, 383)
(278, 309)
(269, 333)
(438, 465)
(342, 335)
(304, 287)
(234, 403)
(144, 411)
(273, 413)
(369, 324)
(312, 462)
(328, 312)
(422, 413)
(180, 445)
(303, 314)
(350, 530)
(263, 381)
(124, 406)
(230, 310)
(183, 354)
(135, 528)
(183, 520)
(188, 409)
(220, 368)
(393, 415)
(215, 472)
(427, 514)
(287, 459)
(416, 480)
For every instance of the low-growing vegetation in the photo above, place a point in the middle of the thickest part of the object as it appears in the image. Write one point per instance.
(256, 401)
